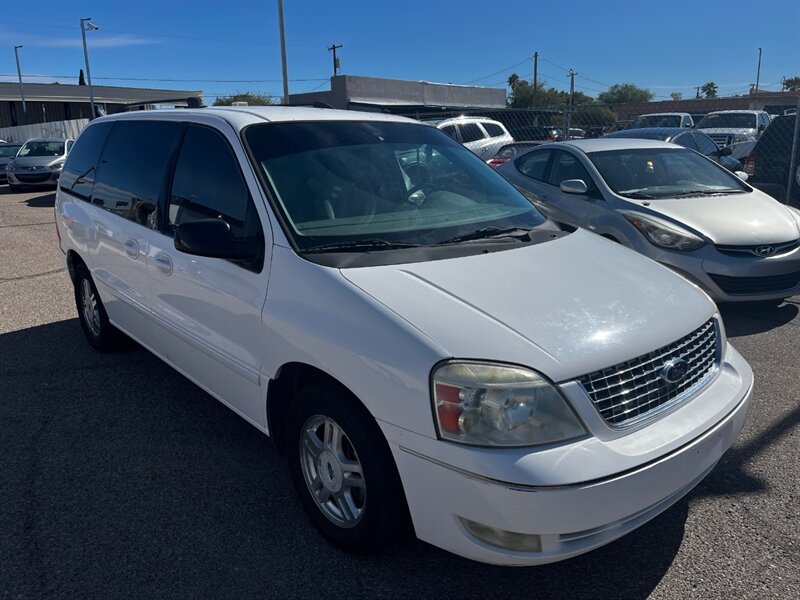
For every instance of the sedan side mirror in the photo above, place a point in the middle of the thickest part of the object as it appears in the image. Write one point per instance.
(213, 238)
(574, 186)
(742, 175)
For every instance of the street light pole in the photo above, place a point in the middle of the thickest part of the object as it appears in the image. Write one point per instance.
(21, 91)
(87, 24)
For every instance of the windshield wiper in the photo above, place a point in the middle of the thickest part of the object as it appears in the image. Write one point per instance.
(357, 245)
(489, 232)
(705, 192)
(638, 195)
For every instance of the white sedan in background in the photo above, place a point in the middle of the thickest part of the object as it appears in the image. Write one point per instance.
(672, 205)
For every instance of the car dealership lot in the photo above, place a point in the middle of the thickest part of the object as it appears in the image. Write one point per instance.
(117, 474)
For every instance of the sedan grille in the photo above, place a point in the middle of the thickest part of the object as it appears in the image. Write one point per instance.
(761, 250)
(771, 284)
(33, 178)
(633, 390)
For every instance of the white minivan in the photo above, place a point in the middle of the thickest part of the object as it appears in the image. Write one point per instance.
(427, 349)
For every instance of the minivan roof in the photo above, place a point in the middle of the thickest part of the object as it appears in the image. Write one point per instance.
(242, 116)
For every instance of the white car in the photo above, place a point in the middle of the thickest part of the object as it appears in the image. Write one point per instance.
(481, 135)
(422, 344)
(728, 127)
(666, 119)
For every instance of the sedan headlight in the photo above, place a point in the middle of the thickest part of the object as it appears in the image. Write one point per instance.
(660, 234)
(57, 166)
(486, 404)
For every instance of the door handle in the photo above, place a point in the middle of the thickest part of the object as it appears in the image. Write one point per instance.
(132, 248)
(164, 263)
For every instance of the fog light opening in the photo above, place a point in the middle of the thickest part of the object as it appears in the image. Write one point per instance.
(500, 538)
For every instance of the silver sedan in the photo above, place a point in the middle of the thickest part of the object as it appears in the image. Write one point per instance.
(672, 205)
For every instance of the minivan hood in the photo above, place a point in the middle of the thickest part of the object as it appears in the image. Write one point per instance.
(36, 161)
(565, 307)
(732, 220)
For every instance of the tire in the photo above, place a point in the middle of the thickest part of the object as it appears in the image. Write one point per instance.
(99, 332)
(356, 512)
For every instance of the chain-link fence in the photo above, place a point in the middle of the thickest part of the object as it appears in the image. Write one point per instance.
(772, 162)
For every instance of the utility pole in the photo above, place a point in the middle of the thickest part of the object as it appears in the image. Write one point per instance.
(21, 91)
(535, 77)
(90, 26)
(698, 92)
(283, 54)
(568, 112)
(758, 72)
(332, 48)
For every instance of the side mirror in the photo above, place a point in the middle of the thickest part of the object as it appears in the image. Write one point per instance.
(726, 151)
(742, 175)
(213, 238)
(574, 186)
(761, 127)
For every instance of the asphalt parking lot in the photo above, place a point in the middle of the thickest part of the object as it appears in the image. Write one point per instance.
(120, 478)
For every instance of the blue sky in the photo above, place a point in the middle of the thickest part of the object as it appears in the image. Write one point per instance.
(664, 46)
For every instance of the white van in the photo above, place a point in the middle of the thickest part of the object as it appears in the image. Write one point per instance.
(427, 349)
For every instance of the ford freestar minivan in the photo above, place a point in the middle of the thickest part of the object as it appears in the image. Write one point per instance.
(425, 347)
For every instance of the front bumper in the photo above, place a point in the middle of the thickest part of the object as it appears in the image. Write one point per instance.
(570, 518)
(38, 178)
(728, 278)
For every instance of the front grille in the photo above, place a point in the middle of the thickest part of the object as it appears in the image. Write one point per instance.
(761, 250)
(721, 139)
(628, 392)
(33, 178)
(740, 286)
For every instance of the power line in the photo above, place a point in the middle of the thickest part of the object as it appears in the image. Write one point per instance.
(554, 64)
(526, 59)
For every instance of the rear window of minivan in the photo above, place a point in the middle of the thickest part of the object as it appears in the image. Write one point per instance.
(493, 129)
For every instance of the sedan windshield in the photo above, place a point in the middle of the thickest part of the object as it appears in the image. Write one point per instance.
(42, 149)
(656, 121)
(8, 151)
(351, 186)
(652, 173)
(729, 121)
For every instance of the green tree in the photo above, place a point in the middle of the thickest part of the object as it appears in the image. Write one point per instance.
(791, 84)
(593, 115)
(710, 89)
(522, 95)
(252, 99)
(622, 93)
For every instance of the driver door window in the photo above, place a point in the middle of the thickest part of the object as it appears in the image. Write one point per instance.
(567, 166)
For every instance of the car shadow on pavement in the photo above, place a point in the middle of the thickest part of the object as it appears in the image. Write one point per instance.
(750, 318)
(119, 474)
(45, 201)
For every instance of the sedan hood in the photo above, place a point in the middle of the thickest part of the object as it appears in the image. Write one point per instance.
(565, 307)
(732, 220)
(35, 161)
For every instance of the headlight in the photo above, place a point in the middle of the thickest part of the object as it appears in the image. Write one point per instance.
(57, 166)
(485, 404)
(663, 235)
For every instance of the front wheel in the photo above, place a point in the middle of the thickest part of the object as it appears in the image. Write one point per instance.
(343, 471)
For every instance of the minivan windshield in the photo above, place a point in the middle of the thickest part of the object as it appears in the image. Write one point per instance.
(656, 121)
(653, 173)
(356, 185)
(47, 148)
(729, 121)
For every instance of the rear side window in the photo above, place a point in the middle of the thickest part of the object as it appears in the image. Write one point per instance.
(134, 168)
(470, 132)
(451, 131)
(686, 140)
(533, 164)
(79, 170)
(493, 129)
(705, 144)
(208, 184)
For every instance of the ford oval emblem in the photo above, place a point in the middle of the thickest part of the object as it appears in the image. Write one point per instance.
(765, 250)
(674, 370)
